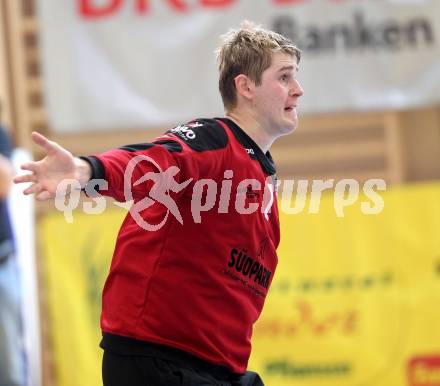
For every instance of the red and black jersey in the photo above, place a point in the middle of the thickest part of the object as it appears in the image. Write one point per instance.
(199, 280)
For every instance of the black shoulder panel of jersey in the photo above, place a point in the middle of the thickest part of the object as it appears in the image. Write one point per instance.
(136, 147)
(170, 145)
(202, 134)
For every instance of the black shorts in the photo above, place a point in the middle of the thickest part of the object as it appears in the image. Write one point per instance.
(144, 370)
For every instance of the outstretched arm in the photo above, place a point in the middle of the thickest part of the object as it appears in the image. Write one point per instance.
(58, 165)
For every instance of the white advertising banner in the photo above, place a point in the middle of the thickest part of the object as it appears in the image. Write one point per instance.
(113, 64)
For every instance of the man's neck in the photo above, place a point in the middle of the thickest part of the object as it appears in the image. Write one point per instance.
(251, 127)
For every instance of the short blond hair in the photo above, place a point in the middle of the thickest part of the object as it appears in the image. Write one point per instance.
(248, 51)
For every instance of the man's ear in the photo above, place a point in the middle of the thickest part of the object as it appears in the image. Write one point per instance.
(244, 86)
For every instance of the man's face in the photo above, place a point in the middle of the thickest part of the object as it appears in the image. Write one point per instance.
(275, 100)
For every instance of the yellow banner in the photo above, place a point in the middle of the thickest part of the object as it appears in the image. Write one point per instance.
(355, 299)
(76, 260)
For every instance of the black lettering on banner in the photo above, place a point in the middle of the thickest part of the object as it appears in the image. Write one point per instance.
(358, 34)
